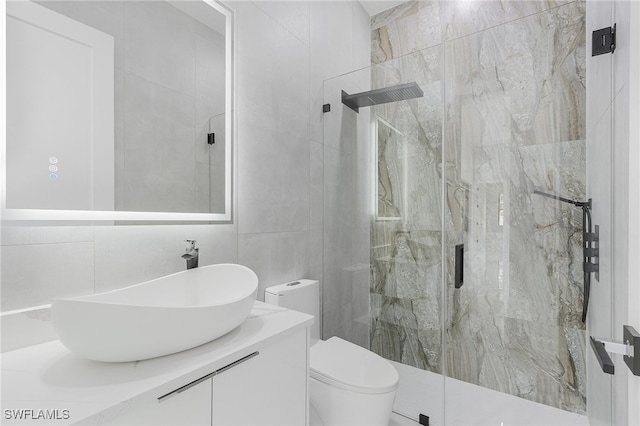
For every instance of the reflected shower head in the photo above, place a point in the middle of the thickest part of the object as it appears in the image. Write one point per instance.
(396, 93)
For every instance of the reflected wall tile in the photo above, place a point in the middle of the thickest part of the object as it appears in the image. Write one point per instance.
(217, 188)
(210, 68)
(119, 136)
(203, 190)
(208, 121)
(159, 150)
(33, 274)
(181, 186)
(149, 108)
(160, 45)
(105, 16)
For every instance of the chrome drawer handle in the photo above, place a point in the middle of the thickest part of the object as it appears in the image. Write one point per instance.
(207, 377)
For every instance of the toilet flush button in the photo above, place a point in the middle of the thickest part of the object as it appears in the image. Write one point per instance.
(293, 283)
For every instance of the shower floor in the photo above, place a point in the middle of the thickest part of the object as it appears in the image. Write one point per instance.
(468, 404)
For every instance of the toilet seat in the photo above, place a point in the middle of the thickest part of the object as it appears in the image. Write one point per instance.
(345, 365)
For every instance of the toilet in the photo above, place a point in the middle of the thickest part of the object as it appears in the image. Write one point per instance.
(348, 385)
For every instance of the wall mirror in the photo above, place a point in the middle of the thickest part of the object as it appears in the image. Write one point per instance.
(118, 110)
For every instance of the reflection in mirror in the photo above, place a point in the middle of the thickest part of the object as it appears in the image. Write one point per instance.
(114, 105)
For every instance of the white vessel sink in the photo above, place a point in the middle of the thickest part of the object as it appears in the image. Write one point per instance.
(158, 317)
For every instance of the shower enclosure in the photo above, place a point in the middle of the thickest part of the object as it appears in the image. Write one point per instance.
(438, 253)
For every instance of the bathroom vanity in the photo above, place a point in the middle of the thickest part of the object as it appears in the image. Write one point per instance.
(256, 374)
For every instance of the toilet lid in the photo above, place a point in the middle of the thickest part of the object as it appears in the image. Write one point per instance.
(349, 366)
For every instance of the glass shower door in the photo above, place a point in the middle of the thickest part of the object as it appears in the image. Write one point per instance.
(382, 192)
(514, 125)
(406, 233)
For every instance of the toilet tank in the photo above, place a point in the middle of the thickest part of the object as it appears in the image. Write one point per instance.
(300, 295)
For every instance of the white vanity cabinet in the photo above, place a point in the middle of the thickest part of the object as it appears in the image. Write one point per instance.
(265, 387)
(190, 407)
(257, 374)
(268, 389)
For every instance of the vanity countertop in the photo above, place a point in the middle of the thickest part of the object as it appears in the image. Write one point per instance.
(49, 377)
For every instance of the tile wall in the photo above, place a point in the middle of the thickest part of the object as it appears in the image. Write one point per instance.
(347, 200)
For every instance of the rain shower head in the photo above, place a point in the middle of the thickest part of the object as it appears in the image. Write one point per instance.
(400, 92)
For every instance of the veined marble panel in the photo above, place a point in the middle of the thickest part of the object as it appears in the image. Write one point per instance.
(514, 121)
(406, 234)
(407, 28)
(461, 18)
(419, 24)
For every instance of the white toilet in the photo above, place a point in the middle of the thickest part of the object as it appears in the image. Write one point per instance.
(348, 384)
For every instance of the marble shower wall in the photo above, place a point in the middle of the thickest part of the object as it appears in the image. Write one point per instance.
(514, 121)
(406, 233)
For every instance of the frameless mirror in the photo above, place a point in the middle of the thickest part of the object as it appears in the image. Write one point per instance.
(118, 110)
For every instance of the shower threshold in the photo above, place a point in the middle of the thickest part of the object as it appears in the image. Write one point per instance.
(458, 403)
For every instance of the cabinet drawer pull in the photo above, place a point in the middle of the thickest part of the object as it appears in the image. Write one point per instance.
(234, 363)
(185, 387)
(207, 377)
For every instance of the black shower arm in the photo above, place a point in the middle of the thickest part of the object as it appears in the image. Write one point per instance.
(582, 204)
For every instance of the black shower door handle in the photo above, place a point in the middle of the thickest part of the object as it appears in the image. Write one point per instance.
(459, 265)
